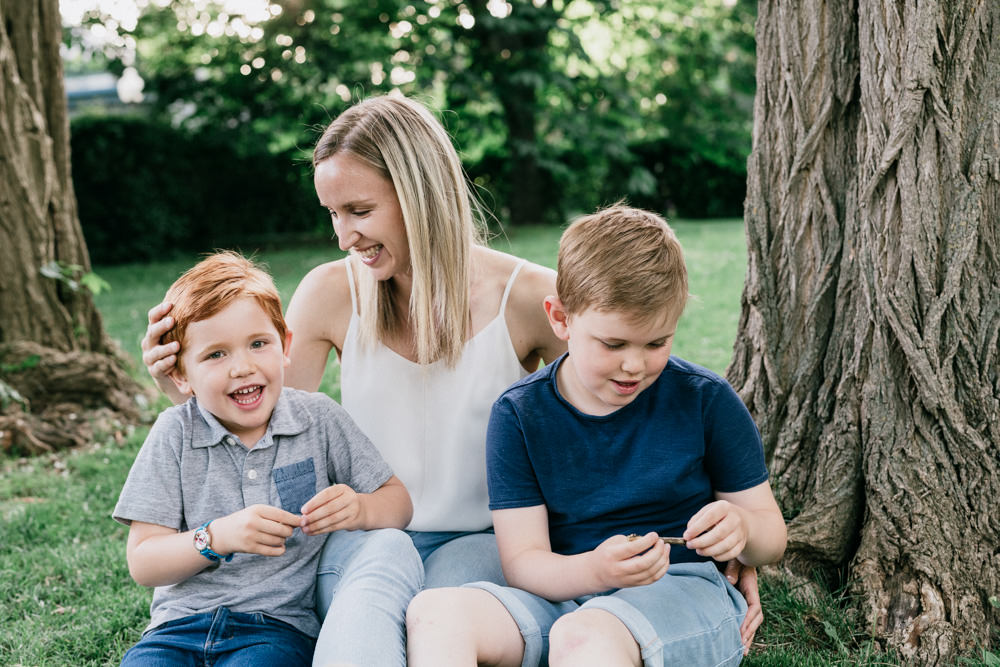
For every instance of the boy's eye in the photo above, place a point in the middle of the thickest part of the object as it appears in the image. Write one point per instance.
(257, 344)
(613, 346)
(214, 355)
(657, 343)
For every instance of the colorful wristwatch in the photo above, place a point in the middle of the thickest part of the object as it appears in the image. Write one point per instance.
(203, 543)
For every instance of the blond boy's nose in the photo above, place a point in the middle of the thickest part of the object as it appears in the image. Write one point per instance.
(632, 362)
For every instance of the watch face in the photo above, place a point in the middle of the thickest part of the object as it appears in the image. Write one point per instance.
(200, 539)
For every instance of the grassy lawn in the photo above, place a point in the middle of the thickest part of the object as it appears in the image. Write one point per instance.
(65, 594)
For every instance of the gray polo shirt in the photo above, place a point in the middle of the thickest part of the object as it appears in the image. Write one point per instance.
(191, 470)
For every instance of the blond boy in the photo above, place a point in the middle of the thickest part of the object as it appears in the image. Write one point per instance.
(595, 457)
(231, 495)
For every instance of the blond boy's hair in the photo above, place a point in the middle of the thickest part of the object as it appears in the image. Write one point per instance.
(625, 260)
(213, 284)
(403, 141)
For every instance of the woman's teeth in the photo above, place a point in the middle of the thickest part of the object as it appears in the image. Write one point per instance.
(370, 253)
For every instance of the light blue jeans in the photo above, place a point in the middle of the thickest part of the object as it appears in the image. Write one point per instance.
(690, 617)
(366, 580)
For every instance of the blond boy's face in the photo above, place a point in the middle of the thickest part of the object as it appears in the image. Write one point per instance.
(234, 363)
(611, 359)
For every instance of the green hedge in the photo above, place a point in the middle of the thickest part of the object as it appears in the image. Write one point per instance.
(147, 190)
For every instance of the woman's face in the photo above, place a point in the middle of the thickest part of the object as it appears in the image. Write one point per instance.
(365, 212)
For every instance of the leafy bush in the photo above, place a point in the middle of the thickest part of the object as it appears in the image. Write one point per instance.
(146, 190)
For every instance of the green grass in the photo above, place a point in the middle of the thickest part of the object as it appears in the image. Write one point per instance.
(65, 594)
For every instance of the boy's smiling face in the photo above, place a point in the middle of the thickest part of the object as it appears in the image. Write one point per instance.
(234, 363)
(611, 358)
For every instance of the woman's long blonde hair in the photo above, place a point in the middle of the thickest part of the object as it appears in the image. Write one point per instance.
(403, 141)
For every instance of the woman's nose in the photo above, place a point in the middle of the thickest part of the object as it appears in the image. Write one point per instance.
(347, 235)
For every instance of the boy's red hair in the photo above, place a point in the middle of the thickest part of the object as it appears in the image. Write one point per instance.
(214, 283)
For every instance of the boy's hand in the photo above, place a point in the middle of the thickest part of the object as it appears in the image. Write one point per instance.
(618, 562)
(258, 529)
(336, 507)
(718, 530)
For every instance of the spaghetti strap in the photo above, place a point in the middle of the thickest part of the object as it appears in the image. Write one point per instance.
(510, 284)
(350, 284)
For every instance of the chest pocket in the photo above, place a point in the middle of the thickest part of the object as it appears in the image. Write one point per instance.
(296, 484)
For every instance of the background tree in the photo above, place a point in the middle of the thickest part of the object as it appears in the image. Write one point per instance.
(868, 347)
(54, 356)
(557, 106)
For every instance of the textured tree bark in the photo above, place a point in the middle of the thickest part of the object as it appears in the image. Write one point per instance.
(868, 344)
(40, 228)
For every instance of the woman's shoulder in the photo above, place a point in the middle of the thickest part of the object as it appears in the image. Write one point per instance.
(324, 284)
(525, 313)
(500, 265)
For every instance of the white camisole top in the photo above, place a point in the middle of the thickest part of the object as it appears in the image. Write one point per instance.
(429, 421)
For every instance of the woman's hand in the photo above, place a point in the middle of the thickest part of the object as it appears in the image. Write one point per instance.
(745, 580)
(160, 360)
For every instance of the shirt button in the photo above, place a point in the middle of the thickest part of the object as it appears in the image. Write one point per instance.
(230, 440)
(252, 474)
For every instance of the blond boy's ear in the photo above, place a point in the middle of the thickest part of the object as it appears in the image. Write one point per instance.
(558, 317)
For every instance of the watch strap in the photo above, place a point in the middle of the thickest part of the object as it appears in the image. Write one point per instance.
(207, 550)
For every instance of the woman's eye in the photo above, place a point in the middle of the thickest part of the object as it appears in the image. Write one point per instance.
(257, 344)
(362, 214)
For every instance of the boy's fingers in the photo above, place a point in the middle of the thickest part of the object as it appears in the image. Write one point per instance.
(321, 498)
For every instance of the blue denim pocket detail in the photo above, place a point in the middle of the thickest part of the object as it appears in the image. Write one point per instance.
(296, 484)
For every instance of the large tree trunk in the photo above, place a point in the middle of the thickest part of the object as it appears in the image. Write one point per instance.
(868, 345)
(46, 323)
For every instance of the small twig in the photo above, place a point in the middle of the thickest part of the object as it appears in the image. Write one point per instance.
(666, 540)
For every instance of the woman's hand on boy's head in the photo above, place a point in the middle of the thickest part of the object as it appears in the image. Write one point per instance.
(160, 360)
(336, 507)
(718, 530)
(619, 562)
(258, 529)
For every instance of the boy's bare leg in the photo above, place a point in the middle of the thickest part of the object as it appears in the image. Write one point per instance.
(592, 637)
(461, 626)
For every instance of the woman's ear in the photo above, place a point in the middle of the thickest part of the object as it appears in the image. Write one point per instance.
(558, 317)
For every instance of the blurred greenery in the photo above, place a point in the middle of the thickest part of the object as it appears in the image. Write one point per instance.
(557, 106)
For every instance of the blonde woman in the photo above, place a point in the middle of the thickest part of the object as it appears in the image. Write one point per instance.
(430, 326)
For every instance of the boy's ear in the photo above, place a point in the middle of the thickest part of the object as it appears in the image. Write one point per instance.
(558, 317)
(180, 381)
(287, 347)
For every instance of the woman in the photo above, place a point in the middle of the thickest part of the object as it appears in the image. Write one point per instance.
(429, 326)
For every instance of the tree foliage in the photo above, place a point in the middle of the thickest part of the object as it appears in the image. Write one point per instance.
(557, 106)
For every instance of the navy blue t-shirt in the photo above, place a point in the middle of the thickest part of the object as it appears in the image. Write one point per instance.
(648, 466)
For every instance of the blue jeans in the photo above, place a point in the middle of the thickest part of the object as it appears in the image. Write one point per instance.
(222, 638)
(366, 580)
(690, 617)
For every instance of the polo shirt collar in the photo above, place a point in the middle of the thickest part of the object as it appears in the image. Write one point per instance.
(288, 418)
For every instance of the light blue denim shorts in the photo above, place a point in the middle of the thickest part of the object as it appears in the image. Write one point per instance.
(690, 617)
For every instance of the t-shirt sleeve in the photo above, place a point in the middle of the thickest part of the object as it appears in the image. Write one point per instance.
(734, 453)
(152, 491)
(351, 456)
(510, 476)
